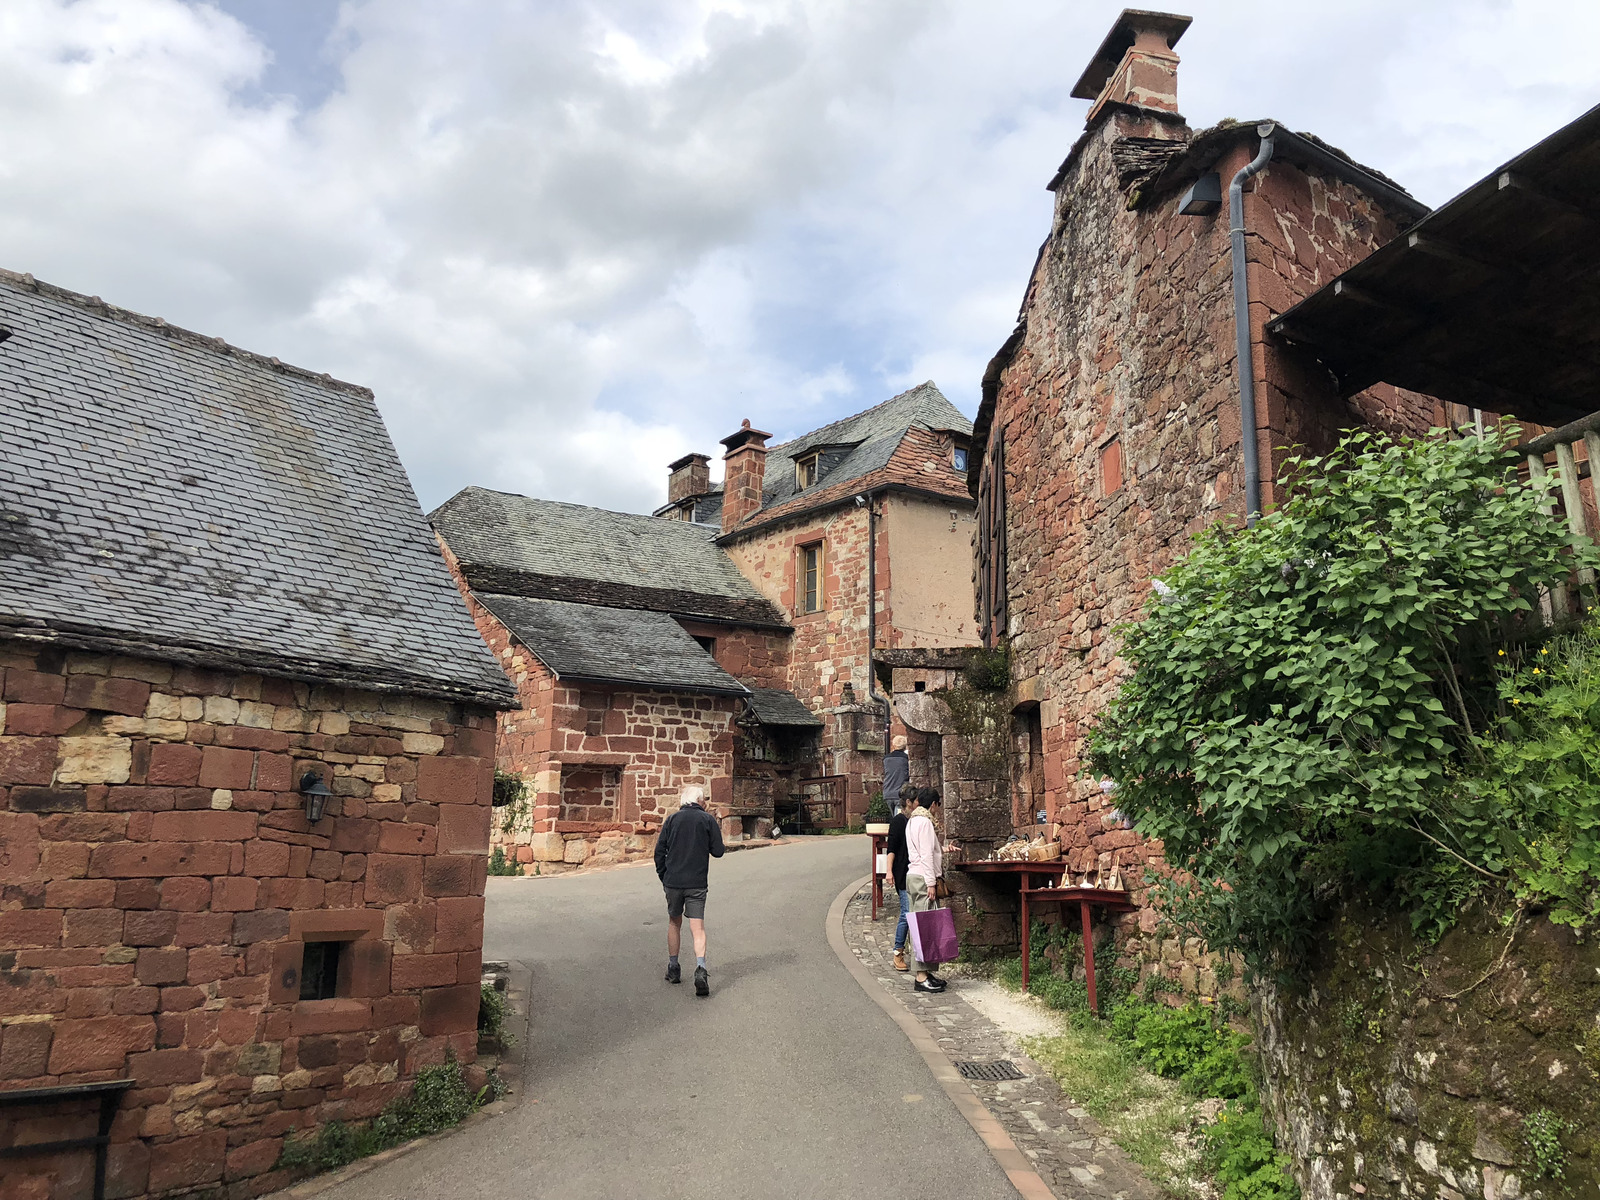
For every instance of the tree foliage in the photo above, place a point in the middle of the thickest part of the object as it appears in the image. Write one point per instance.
(1305, 692)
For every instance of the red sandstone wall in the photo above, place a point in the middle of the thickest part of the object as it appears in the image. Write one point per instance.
(159, 875)
(1129, 344)
(828, 649)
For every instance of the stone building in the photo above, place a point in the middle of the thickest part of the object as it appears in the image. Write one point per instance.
(1109, 430)
(643, 660)
(861, 534)
(219, 594)
(726, 639)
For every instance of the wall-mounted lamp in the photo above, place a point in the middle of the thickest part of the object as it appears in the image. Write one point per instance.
(316, 793)
(1203, 198)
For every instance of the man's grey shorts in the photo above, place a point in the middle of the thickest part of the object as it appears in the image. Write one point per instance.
(686, 900)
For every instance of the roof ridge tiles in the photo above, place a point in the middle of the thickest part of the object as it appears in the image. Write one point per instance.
(217, 345)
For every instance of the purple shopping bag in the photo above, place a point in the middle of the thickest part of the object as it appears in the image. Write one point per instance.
(933, 935)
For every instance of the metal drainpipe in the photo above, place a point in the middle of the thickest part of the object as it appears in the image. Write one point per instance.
(872, 613)
(1241, 324)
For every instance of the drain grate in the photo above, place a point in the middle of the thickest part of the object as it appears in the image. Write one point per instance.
(1002, 1069)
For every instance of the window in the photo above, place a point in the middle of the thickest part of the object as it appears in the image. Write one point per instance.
(959, 458)
(805, 470)
(1110, 467)
(319, 970)
(811, 578)
(708, 644)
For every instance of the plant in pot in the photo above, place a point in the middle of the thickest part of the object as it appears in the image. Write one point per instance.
(877, 814)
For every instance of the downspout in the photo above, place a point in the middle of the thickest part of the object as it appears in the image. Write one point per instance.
(872, 615)
(1248, 433)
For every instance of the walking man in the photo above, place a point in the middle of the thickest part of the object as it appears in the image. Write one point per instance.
(897, 870)
(896, 771)
(924, 869)
(688, 840)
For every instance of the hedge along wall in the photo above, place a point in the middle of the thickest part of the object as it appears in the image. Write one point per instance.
(160, 882)
(1380, 1084)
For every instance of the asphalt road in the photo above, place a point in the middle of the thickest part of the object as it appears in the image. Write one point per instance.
(788, 1082)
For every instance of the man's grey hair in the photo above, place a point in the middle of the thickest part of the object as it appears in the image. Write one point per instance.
(692, 793)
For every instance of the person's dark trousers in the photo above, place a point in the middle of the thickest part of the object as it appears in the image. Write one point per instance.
(903, 930)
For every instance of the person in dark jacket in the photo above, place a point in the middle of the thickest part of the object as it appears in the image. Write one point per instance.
(896, 771)
(897, 869)
(689, 839)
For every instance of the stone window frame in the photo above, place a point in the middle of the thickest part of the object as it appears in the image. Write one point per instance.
(363, 970)
(810, 595)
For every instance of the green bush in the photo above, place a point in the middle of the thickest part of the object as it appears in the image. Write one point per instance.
(1242, 1159)
(438, 1100)
(1306, 693)
(1188, 1044)
(500, 864)
(877, 809)
(493, 1008)
(1541, 1139)
(1541, 769)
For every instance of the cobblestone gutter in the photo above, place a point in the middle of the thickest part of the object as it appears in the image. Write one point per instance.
(1061, 1142)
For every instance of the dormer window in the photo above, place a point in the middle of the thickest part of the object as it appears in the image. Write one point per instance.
(958, 458)
(805, 470)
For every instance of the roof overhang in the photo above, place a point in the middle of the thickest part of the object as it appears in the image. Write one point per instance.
(1491, 301)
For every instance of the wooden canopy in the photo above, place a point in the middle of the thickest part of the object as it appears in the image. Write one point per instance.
(1492, 301)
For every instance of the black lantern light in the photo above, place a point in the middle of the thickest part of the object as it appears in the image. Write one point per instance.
(316, 793)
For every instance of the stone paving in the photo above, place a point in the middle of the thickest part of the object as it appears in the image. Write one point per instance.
(1063, 1142)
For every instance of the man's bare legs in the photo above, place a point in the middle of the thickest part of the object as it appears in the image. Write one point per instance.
(675, 935)
(697, 932)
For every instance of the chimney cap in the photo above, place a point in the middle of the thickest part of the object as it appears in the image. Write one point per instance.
(745, 436)
(680, 463)
(1124, 33)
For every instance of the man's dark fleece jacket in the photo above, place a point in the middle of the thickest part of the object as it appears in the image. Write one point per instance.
(684, 849)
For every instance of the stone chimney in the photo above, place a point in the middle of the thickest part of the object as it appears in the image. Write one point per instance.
(744, 472)
(690, 476)
(1135, 65)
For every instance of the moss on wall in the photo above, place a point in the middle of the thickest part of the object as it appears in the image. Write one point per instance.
(1401, 1069)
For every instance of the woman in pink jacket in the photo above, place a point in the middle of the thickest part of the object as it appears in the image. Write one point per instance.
(924, 869)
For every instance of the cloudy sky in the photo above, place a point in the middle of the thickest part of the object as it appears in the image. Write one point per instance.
(566, 242)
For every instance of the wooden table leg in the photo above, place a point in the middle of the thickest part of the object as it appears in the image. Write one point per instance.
(1088, 954)
(877, 880)
(1026, 950)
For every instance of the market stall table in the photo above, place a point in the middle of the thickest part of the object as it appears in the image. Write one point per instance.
(880, 845)
(1038, 881)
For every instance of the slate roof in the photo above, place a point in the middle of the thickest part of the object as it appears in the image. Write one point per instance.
(774, 706)
(163, 493)
(592, 643)
(860, 444)
(515, 545)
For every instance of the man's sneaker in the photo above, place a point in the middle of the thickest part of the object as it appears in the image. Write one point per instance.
(702, 982)
(927, 985)
(674, 973)
(900, 963)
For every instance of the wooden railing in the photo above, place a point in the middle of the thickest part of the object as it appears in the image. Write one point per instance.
(1556, 605)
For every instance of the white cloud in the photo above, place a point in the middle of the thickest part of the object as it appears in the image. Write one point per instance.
(567, 242)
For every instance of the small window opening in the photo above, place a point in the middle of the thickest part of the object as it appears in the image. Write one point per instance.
(805, 471)
(921, 685)
(1110, 467)
(811, 578)
(708, 644)
(319, 970)
(959, 458)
